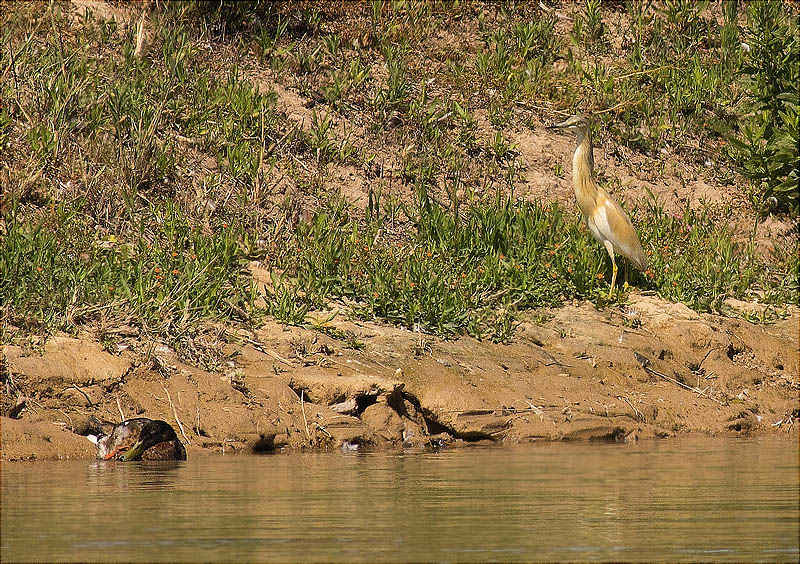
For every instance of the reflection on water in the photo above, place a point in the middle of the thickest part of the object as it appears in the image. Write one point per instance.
(690, 499)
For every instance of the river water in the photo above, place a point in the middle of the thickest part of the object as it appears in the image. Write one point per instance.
(680, 499)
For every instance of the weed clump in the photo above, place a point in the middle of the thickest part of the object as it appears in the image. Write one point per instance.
(766, 151)
(472, 272)
(162, 275)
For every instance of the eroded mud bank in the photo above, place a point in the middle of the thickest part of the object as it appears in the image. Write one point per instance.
(650, 369)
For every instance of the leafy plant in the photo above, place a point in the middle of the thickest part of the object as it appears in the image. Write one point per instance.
(766, 151)
(588, 27)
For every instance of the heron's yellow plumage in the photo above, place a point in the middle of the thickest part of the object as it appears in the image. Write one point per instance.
(606, 219)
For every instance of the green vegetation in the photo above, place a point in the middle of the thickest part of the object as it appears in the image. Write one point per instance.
(767, 150)
(471, 272)
(164, 276)
(136, 189)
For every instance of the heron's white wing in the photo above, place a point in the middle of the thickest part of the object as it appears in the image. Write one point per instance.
(613, 225)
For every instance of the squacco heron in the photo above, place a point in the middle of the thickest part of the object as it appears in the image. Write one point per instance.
(605, 218)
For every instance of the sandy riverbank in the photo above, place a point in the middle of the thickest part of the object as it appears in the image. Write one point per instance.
(569, 374)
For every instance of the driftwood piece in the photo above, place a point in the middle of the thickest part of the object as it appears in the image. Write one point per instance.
(347, 407)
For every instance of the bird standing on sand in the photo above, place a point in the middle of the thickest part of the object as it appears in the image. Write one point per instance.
(606, 219)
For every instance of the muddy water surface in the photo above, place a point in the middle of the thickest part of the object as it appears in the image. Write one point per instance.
(682, 499)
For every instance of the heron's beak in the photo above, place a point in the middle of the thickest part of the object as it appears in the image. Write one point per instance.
(558, 125)
(134, 452)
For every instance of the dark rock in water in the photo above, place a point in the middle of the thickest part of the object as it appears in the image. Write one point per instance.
(140, 439)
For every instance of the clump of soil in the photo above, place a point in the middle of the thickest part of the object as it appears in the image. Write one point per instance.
(649, 369)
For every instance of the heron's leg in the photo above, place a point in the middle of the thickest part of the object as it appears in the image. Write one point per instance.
(610, 249)
(627, 271)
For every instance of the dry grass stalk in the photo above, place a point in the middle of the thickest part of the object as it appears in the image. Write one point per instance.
(175, 414)
(121, 414)
(138, 52)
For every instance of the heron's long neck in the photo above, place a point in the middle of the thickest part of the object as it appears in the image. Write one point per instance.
(583, 171)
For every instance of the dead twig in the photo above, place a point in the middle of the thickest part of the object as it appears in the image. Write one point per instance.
(699, 366)
(34, 402)
(84, 394)
(16, 82)
(303, 409)
(197, 412)
(324, 430)
(788, 420)
(536, 410)
(260, 347)
(644, 362)
(175, 414)
(274, 145)
(638, 413)
(189, 140)
(121, 414)
(622, 104)
(501, 411)
(553, 360)
(65, 414)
